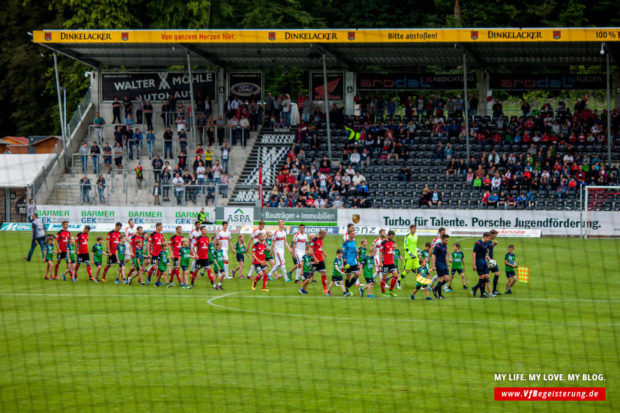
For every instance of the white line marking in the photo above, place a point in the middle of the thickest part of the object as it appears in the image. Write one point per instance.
(212, 303)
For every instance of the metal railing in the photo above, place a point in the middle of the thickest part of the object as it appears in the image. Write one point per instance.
(79, 112)
(143, 193)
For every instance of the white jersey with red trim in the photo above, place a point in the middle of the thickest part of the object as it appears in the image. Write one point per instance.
(300, 241)
(129, 234)
(224, 238)
(279, 240)
(193, 236)
(436, 241)
(256, 233)
(378, 245)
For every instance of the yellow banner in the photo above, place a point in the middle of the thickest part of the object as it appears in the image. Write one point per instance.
(331, 36)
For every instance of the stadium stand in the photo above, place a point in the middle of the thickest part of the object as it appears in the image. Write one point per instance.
(543, 155)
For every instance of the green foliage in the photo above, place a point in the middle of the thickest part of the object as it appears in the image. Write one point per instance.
(27, 85)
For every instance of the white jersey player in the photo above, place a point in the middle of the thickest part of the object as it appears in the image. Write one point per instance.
(130, 231)
(224, 237)
(300, 241)
(254, 236)
(194, 234)
(277, 249)
(378, 245)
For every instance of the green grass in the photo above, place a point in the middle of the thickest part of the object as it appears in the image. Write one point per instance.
(85, 347)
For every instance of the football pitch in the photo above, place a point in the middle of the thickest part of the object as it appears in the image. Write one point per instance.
(104, 347)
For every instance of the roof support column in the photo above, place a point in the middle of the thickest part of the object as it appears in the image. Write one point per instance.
(608, 110)
(349, 92)
(466, 105)
(483, 92)
(191, 93)
(60, 111)
(326, 100)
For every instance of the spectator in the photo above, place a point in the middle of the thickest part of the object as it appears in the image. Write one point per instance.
(221, 131)
(224, 183)
(168, 143)
(139, 175)
(233, 125)
(101, 188)
(405, 174)
(117, 152)
(116, 111)
(107, 156)
(127, 106)
(156, 194)
(31, 209)
(157, 164)
(244, 129)
(217, 173)
(337, 202)
(84, 151)
(510, 202)
(502, 200)
(496, 182)
(95, 152)
(225, 156)
(98, 123)
(38, 235)
(85, 189)
(492, 200)
(166, 177)
(436, 198)
(147, 108)
(425, 199)
(522, 201)
(136, 143)
(150, 142)
(182, 140)
(179, 188)
(485, 197)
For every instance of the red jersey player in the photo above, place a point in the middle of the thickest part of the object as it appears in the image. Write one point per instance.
(259, 262)
(175, 243)
(389, 266)
(201, 252)
(113, 239)
(61, 241)
(83, 254)
(319, 256)
(156, 244)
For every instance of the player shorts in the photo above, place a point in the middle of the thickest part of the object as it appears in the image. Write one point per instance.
(97, 263)
(154, 258)
(175, 263)
(482, 267)
(307, 275)
(412, 264)
(442, 271)
(319, 266)
(511, 274)
(61, 256)
(258, 268)
(389, 268)
(299, 257)
(83, 258)
(184, 267)
(455, 270)
(493, 269)
(112, 260)
(240, 258)
(280, 260)
(352, 269)
(200, 264)
(369, 280)
(336, 278)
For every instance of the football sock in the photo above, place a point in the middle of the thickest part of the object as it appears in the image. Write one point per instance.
(495, 280)
(297, 274)
(264, 282)
(56, 268)
(393, 283)
(226, 267)
(383, 285)
(324, 281)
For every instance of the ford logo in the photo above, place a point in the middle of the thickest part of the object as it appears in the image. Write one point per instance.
(245, 89)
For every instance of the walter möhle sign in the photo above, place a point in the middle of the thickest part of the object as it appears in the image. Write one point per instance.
(156, 86)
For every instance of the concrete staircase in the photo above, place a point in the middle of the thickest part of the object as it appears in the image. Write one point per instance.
(270, 151)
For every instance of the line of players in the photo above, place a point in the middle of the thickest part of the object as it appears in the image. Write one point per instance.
(150, 255)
